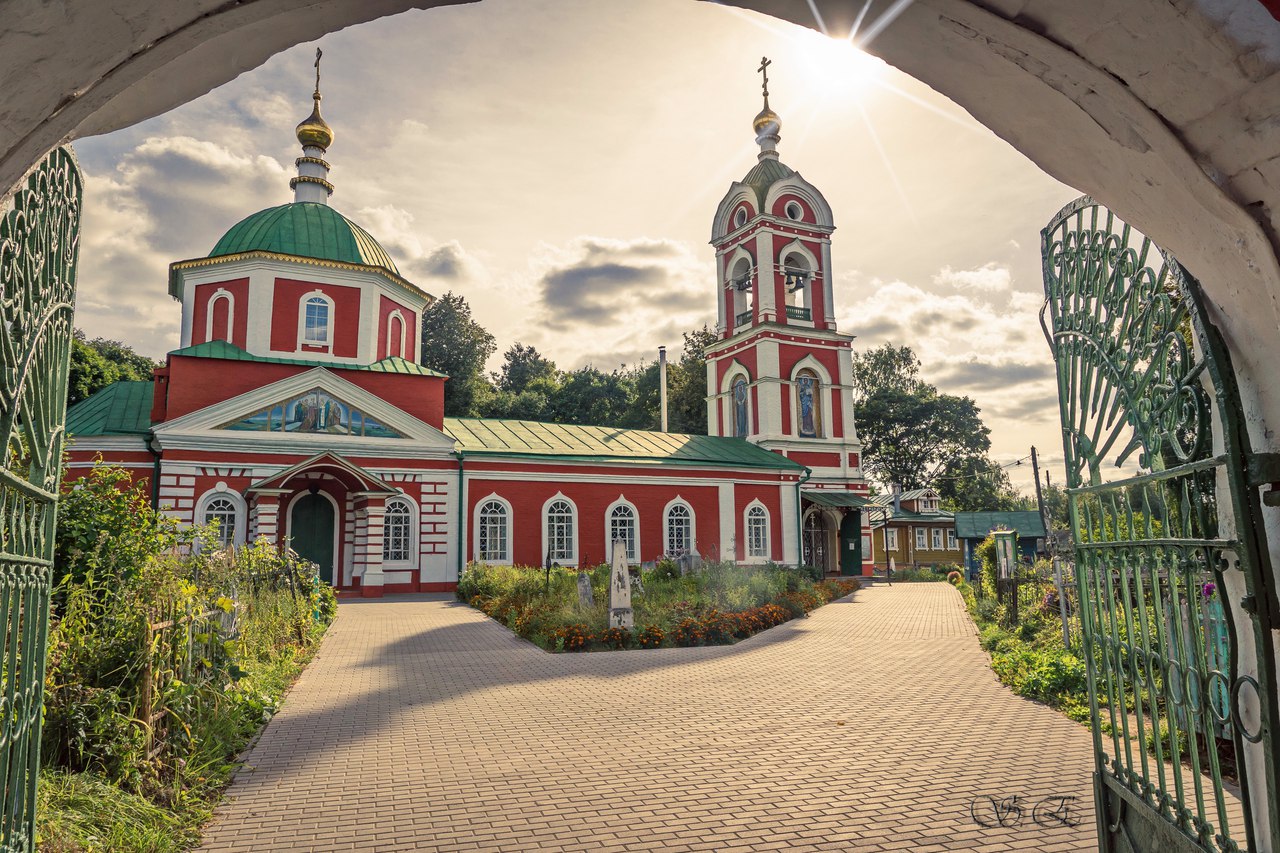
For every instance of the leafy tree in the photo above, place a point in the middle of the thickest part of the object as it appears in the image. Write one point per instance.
(911, 433)
(458, 346)
(591, 396)
(97, 363)
(975, 483)
(885, 368)
(911, 437)
(687, 384)
(524, 367)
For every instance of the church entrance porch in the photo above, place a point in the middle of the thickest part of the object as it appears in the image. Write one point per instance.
(334, 515)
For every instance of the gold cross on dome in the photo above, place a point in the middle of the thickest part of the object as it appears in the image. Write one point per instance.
(764, 71)
(319, 53)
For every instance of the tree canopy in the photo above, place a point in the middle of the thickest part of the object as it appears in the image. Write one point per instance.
(97, 363)
(458, 346)
(918, 437)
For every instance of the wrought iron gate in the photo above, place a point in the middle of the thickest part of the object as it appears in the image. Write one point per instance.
(39, 248)
(1176, 592)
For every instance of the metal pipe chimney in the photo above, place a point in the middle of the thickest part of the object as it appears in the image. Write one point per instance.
(662, 385)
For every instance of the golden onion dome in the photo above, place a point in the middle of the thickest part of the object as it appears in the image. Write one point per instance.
(765, 118)
(314, 131)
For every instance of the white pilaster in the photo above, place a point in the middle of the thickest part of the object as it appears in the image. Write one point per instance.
(768, 398)
(765, 278)
(828, 298)
(790, 535)
(728, 523)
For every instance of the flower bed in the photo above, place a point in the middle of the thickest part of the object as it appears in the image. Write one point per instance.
(717, 605)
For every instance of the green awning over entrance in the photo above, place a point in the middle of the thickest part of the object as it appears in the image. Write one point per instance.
(835, 498)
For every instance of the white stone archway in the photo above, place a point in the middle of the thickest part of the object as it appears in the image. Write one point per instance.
(1183, 150)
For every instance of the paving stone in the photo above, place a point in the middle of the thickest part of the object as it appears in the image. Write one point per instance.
(423, 725)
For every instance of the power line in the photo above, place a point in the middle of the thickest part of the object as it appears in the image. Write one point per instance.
(982, 474)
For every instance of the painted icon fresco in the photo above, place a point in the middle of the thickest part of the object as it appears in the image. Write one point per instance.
(317, 412)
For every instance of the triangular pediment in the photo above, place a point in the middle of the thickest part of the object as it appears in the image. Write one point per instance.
(316, 408)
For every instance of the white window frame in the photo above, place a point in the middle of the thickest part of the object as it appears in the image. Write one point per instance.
(410, 543)
(572, 559)
(242, 510)
(666, 526)
(633, 553)
(476, 527)
(220, 293)
(952, 543)
(753, 554)
(303, 340)
(891, 539)
(404, 332)
(922, 539)
(936, 539)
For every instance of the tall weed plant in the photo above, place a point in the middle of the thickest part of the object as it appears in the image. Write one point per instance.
(231, 629)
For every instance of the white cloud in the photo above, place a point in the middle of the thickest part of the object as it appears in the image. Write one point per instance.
(989, 278)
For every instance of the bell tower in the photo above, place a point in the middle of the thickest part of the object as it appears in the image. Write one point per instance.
(780, 374)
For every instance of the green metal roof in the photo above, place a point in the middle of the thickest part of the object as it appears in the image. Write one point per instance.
(122, 408)
(831, 497)
(501, 437)
(307, 230)
(765, 174)
(976, 525)
(223, 349)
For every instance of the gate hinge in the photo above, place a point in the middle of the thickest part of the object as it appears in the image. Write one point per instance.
(1263, 469)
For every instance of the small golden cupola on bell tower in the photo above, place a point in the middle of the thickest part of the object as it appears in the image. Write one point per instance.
(315, 135)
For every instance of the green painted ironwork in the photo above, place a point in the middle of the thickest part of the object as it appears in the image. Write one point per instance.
(742, 319)
(798, 312)
(39, 248)
(1171, 568)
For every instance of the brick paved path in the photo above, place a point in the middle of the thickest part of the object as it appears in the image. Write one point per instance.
(422, 725)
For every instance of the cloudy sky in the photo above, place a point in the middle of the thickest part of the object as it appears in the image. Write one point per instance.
(558, 163)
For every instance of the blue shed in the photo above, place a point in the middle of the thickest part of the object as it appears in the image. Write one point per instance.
(973, 527)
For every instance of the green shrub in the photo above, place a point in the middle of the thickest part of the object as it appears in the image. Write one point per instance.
(665, 569)
(254, 617)
(1044, 675)
(720, 603)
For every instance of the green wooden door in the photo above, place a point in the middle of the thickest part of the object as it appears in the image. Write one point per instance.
(851, 543)
(311, 533)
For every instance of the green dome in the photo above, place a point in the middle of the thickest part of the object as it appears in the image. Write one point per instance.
(765, 174)
(307, 230)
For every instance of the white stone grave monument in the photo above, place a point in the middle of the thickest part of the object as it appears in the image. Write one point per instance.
(620, 615)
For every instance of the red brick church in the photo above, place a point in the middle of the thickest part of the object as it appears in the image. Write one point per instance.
(296, 410)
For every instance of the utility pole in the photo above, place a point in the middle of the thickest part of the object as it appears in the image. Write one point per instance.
(1035, 470)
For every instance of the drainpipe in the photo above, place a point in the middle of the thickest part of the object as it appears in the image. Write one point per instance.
(155, 469)
(808, 472)
(462, 514)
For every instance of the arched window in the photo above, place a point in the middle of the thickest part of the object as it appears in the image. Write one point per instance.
(679, 523)
(395, 334)
(492, 523)
(622, 527)
(396, 531)
(741, 415)
(316, 320)
(757, 532)
(739, 286)
(796, 275)
(220, 310)
(808, 404)
(225, 514)
(561, 535)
